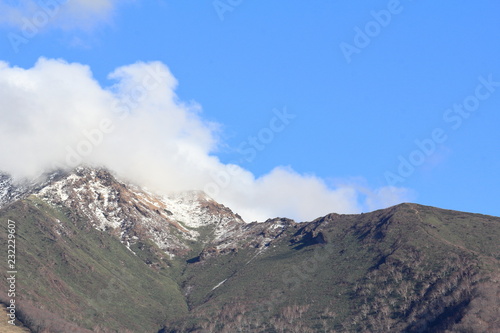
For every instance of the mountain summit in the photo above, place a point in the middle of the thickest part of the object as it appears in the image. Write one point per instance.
(129, 212)
(97, 254)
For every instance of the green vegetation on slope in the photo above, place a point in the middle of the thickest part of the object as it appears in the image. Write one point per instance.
(379, 272)
(408, 268)
(71, 274)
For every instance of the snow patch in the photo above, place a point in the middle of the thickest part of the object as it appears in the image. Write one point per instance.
(220, 284)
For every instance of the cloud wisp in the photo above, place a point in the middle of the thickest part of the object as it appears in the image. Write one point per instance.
(56, 114)
(26, 19)
(66, 14)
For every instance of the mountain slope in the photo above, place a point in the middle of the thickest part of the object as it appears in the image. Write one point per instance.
(98, 254)
(409, 268)
(133, 214)
(70, 274)
(91, 245)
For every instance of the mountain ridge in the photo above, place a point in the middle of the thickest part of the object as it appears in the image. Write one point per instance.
(96, 244)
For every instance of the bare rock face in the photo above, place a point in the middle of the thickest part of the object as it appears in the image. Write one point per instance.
(134, 214)
(12, 190)
(255, 235)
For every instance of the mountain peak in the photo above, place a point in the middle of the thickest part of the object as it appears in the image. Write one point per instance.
(87, 236)
(127, 210)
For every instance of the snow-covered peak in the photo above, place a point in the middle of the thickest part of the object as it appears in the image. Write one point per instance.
(12, 190)
(132, 212)
(174, 222)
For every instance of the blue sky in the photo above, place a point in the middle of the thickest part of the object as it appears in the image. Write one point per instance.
(357, 114)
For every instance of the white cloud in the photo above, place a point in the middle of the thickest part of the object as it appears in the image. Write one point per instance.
(386, 196)
(66, 14)
(56, 114)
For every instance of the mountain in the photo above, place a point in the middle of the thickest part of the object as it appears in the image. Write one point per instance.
(11, 191)
(98, 254)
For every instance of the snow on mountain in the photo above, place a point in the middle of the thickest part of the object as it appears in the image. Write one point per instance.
(134, 214)
(11, 190)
